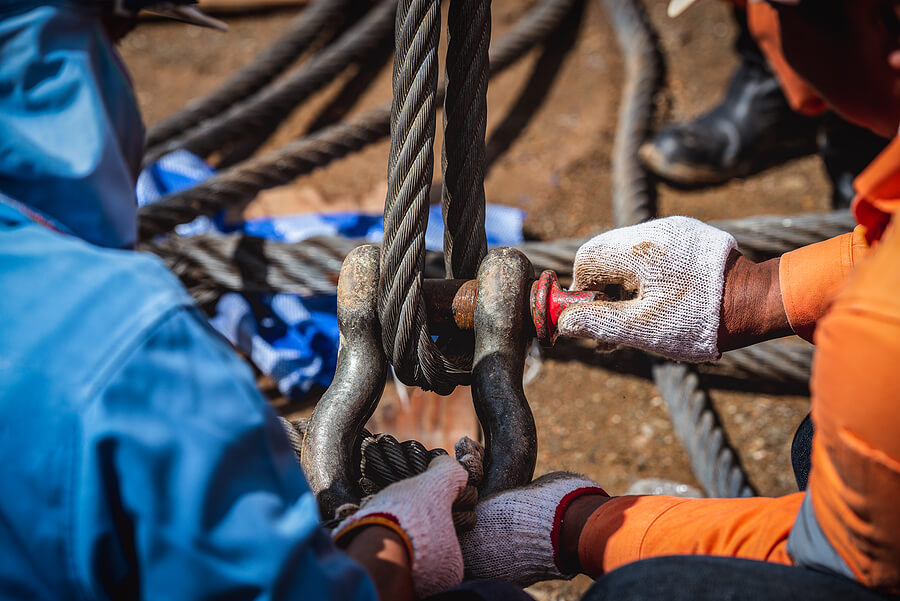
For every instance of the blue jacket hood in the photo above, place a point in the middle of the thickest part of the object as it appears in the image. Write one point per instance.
(71, 136)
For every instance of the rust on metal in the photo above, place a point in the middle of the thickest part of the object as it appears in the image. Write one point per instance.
(451, 305)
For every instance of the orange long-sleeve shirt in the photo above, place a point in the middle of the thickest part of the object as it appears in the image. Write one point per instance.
(849, 519)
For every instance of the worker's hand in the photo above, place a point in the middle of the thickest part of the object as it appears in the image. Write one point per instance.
(517, 534)
(418, 509)
(675, 270)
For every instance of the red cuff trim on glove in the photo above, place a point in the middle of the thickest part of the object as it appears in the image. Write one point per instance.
(383, 519)
(560, 512)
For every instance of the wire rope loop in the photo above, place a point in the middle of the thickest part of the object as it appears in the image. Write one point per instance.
(407, 342)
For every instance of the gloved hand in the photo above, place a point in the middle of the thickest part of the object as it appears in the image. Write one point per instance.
(516, 535)
(676, 266)
(418, 509)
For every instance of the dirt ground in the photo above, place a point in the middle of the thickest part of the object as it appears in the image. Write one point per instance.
(553, 117)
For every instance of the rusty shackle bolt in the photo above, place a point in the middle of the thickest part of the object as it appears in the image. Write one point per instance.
(451, 305)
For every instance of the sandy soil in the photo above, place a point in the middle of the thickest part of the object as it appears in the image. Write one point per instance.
(553, 116)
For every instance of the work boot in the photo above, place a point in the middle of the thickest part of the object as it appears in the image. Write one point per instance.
(846, 149)
(752, 128)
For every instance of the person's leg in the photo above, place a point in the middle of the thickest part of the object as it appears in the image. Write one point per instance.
(845, 148)
(801, 451)
(708, 578)
(768, 115)
(751, 128)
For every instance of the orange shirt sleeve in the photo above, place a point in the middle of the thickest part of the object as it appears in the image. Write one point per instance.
(855, 482)
(878, 191)
(630, 528)
(810, 277)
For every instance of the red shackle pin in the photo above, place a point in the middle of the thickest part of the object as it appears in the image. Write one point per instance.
(549, 300)
(451, 305)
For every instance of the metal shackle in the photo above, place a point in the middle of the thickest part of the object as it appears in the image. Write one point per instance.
(500, 317)
(502, 338)
(330, 456)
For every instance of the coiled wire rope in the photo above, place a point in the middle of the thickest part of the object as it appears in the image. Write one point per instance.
(238, 185)
(210, 264)
(266, 109)
(300, 35)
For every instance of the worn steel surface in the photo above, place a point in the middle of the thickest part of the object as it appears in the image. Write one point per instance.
(330, 452)
(451, 305)
(498, 306)
(501, 340)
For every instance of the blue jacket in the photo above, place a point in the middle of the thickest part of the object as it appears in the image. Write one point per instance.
(138, 458)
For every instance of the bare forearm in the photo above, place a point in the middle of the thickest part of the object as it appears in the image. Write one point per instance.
(383, 555)
(573, 523)
(752, 307)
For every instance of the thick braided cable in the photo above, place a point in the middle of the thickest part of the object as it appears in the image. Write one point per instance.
(465, 123)
(634, 193)
(780, 361)
(696, 422)
(407, 343)
(239, 184)
(264, 111)
(385, 460)
(768, 236)
(210, 264)
(220, 260)
(306, 27)
(714, 461)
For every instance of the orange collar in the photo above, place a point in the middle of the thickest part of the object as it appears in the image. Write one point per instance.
(878, 191)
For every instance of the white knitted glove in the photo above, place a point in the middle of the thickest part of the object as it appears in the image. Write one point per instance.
(418, 509)
(517, 533)
(676, 266)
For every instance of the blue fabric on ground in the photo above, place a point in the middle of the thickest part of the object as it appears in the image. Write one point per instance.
(289, 338)
(503, 225)
(174, 172)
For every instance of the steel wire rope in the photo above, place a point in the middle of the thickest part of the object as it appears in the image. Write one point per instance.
(211, 258)
(384, 460)
(781, 361)
(759, 237)
(268, 108)
(302, 32)
(697, 424)
(242, 182)
(210, 264)
(465, 123)
(408, 345)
